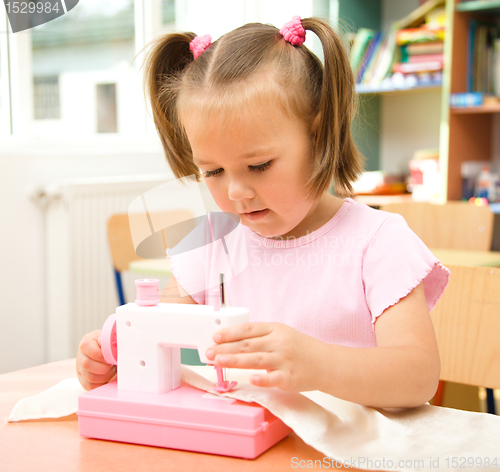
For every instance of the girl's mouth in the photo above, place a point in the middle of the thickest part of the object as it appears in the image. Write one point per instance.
(256, 215)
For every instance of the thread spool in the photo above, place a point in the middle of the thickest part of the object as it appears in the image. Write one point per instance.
(147, 292)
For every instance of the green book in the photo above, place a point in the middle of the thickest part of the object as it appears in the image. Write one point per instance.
(387, 58)
(361, 41)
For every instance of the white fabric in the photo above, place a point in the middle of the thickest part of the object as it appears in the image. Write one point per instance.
(56, 402)
(353, 434)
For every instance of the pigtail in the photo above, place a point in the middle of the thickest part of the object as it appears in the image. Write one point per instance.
(164, 64)
(337, 107)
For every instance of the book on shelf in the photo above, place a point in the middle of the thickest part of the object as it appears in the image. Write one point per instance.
(359, 45)
(417, 67)
(400, 57)
(413, 58)
(369, 57)
(473, 99)
(430, 47)
(372, 55)
(469, 99)
(482, 57)
(496, 66)
(383, 67)
(420, 35)
(421, 48)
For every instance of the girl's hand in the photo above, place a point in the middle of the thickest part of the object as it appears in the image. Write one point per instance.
(91, 368)
(291, 358)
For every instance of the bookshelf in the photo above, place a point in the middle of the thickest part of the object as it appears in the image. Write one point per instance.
(485, 7)
(414, 18)
(409, 21)
(394, 121)
(467, 134)
(475, 110)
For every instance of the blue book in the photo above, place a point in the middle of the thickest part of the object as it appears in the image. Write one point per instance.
(469, 99)
(470, 55)
(367, 56)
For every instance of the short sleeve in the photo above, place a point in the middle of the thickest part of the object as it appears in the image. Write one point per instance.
(395, 262)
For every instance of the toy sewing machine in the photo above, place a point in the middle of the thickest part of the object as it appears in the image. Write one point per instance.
(149, 405)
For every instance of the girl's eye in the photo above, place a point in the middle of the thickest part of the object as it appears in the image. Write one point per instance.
(261, 167)
(212, 173)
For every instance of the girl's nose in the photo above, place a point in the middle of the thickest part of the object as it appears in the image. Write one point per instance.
(238, 190)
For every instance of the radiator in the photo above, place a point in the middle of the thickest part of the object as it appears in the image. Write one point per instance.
(80, 287)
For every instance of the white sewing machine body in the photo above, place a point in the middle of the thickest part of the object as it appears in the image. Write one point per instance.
(150, 338)
(150, 405)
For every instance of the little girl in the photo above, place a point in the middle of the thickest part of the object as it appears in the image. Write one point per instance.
(339, 293)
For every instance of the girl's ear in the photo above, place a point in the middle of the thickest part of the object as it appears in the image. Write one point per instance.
(315, 125)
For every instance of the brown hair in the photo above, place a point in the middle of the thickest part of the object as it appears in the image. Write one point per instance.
(255, 61)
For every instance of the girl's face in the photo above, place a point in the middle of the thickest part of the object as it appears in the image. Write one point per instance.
(257, 166)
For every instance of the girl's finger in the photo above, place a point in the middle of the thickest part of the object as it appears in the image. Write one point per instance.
(98, 378)
(93, 351)
(244, 346)
(93, 366)
(275, 378)
(242, 331)
(94, 382)
(255, 360)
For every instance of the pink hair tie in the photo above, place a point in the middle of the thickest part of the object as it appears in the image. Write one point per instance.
(294, 32)
(200, 44)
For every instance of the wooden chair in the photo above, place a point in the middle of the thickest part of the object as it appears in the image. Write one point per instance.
(121, 248)
(121, 244)
(467, 324)
(453, 225)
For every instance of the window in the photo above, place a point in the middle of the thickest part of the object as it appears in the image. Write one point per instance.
(4, 89)
(78, 75)
(79, 61)
(168, 11)
(2, 106)
(46, 97)
(106, 108)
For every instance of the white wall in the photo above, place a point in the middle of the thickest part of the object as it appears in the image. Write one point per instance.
(409, 121)
(21, 257)
(393, 10)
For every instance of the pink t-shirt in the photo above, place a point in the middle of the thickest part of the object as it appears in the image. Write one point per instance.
(331, 284)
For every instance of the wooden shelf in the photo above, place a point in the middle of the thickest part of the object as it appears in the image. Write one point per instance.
(417, 17)
(475, 110)
(491, 6)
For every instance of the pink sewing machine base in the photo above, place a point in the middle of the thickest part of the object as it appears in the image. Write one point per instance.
(185, 418)
(150, 404)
